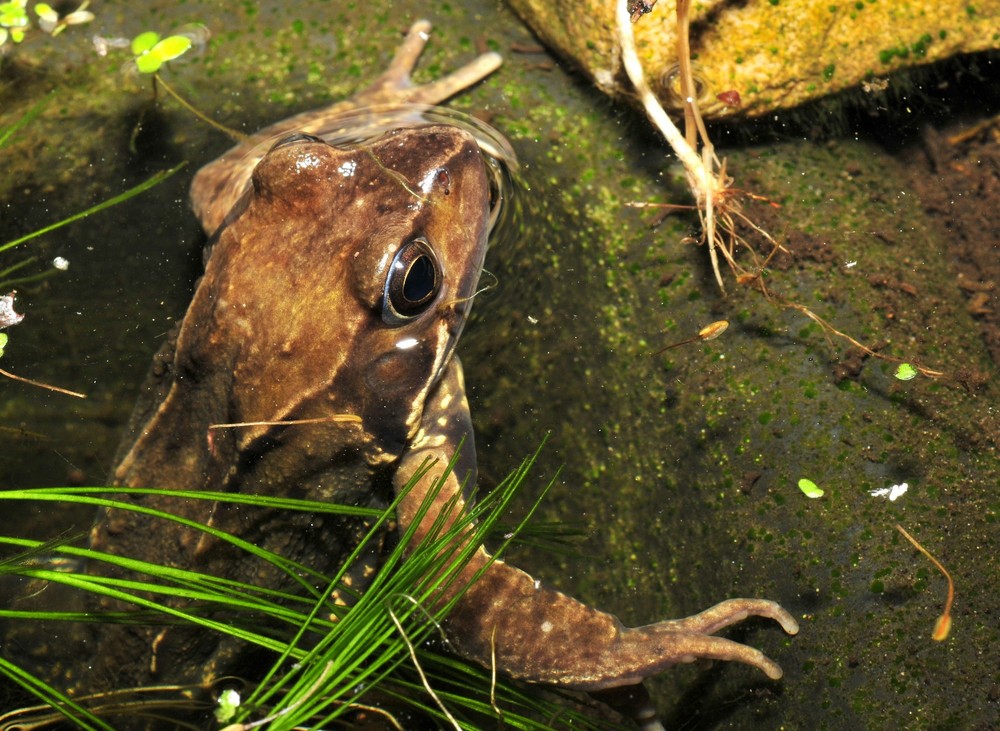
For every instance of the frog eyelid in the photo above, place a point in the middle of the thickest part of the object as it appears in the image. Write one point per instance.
(294, 138)
(412, 283)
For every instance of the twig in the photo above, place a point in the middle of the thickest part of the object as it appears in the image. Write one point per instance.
(47, 386)
(420, 670)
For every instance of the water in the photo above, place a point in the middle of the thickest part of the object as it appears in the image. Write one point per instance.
(680, 469)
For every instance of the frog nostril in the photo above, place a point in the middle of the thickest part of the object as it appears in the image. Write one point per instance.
(294, 139)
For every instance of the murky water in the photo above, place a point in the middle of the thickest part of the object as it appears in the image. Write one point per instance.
(679, 469)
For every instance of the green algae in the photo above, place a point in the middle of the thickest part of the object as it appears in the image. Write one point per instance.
(684, 465)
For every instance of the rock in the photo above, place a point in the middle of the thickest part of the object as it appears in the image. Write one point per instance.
(776, 54)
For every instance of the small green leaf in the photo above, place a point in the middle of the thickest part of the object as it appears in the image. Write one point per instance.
(45, 12)
(170, 48)
(809, 488)
(144, 41)
(229, 703)
(3, 342)
(13, 15)
(906, 372)
(148, 63)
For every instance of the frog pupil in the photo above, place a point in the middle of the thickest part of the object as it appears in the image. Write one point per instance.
(420, 279)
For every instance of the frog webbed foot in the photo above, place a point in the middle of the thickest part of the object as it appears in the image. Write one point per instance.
(685, 640)
(394, 86)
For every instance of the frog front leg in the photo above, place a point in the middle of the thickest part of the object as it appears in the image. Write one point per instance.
(218, 186)
(538, 634)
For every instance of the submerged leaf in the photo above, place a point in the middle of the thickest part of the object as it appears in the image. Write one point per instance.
(809, 488)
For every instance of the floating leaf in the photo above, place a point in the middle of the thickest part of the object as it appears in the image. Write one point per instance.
(13, 15)
(906, 372)
(143, 42)
(47, 17)
(170, 48)
(229, 703)
(809, 488)
(148, 61)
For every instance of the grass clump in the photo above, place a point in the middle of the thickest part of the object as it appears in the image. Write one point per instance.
(384, 655)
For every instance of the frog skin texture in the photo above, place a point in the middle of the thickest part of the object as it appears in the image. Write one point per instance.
(338, 282)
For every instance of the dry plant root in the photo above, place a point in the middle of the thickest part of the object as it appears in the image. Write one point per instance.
(716, 200)
(718, 203)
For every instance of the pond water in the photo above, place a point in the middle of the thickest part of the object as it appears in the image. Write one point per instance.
(678, 470)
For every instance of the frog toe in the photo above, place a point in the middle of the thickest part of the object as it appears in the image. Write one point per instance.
(687, 648)
(394, 85)
(732, 611)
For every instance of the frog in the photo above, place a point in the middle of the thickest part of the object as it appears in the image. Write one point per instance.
(323, 331)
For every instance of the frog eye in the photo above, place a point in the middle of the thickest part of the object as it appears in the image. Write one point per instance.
(412, 284)
(294, 139)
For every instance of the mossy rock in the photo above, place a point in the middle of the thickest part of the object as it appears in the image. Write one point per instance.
(775, 54)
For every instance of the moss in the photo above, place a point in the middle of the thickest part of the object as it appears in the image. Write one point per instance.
(655, 449)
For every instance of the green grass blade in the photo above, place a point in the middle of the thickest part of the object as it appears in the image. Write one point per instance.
(326, 658)
(154, 180)
(7, 133)
(52, 697)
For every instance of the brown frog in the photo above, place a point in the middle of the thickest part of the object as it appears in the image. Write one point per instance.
(338, 282)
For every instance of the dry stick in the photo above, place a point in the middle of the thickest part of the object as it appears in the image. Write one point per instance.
(694, 123)
(493, 675)
(41, 385)
(420, 670)
(345, 418)
(943, 625)
(380, 712)
(828, 328)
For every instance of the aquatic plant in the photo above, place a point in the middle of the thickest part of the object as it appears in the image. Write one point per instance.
(15, 22)
(942, 626)
(328, 660)
(151, 51)
(149, 54)
(718, 202)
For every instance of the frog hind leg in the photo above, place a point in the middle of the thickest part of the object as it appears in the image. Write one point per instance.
(395, 86)
(509, 619)
(219, 185)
